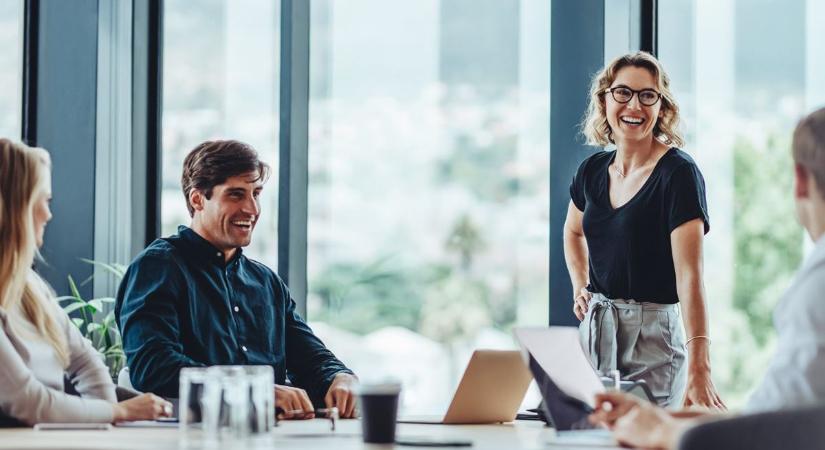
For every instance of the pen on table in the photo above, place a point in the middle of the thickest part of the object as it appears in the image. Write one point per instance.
(330, 413)
(321, 412)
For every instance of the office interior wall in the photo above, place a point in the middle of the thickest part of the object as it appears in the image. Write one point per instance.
(577, 51)
(65, 120)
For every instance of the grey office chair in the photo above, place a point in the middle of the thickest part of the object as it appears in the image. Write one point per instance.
(800, 429)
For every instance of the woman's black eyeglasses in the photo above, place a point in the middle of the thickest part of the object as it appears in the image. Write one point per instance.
(622, 94)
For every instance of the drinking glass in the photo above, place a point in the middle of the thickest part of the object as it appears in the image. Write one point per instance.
(262, 398)
(190, 406)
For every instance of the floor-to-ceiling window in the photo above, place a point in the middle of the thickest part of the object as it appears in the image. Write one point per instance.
(428, 183)
(11, 51)
(221, 72)
(744, 72)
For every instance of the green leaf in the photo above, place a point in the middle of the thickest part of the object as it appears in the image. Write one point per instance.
(107, 299)
(74, 307)
(117, 346)
(73, 288)
(118, 270)
(92, 327)
(78, 322)
(113, 351)
(65, 298)
(87, 280)
(96, 304)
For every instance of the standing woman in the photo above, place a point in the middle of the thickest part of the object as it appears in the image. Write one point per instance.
(633, 238)
(38, 344)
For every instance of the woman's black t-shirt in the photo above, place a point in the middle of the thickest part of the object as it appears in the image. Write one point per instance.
(629, 246)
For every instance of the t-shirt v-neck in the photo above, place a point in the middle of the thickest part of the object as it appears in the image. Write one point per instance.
(642, 188)
(630, 255)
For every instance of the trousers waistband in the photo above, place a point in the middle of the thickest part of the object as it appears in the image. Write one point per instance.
(620, 303)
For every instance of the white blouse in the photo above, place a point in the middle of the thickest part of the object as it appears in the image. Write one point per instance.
(31, 376)
(796, 374)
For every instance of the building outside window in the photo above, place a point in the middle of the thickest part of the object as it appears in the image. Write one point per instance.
(744, 73)
(221, 70)
(11, 73)
(428, 188)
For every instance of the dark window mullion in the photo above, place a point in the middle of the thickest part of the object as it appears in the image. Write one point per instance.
(293, 160)
(31, 21)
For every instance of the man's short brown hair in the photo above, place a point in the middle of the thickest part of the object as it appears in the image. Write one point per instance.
(213, 162)
(809, 146)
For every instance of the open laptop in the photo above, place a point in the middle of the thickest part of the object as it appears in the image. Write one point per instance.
(490, 391)
(567, 382)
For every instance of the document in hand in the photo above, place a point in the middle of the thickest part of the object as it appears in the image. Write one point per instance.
(558, 351)
(568, 385)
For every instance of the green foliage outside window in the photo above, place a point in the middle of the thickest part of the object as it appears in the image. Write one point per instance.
(444, 301)
(768, 250)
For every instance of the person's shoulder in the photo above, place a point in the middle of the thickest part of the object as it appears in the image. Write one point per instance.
(677, 164)
(596, 161)
(600, 157)
(161, 252)
(159, 248)
(811, 283)
(802, 302)
(677, 159)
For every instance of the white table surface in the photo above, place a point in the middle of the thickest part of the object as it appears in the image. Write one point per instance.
(308, 434)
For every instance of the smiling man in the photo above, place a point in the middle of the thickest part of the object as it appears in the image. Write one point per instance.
(193, 299)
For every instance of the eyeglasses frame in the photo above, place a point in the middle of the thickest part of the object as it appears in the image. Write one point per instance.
(632, 93)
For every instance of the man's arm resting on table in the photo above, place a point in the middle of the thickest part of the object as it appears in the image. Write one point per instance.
(148, 318)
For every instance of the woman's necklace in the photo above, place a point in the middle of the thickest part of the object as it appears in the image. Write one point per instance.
(618, 171)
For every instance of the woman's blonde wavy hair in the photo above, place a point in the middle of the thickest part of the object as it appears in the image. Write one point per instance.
(595, 127)
(23, 177)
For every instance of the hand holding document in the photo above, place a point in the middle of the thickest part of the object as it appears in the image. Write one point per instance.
(558, 352)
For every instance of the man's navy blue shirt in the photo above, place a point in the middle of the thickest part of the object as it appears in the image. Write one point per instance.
(181, 304)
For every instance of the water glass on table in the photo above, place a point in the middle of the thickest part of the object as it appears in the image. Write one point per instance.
(190, 406)
(239, 402)
(262, 398)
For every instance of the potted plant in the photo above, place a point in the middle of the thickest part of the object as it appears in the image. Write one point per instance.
(94, 321)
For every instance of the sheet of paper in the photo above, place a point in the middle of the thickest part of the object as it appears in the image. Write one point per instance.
(558, 352)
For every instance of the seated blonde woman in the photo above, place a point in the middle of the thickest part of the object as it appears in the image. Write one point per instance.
(38, 344)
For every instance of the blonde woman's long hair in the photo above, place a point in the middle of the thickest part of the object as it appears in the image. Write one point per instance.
(595, 127)
(23, 178)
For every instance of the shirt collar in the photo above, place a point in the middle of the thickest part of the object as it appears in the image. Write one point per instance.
(204, 249)
(817, 254)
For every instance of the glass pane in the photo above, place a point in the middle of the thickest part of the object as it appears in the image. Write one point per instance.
(428, 187)
(11, 57)
(740, 101)
(221, 69)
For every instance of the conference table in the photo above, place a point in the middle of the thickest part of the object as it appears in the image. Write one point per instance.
(307, 434)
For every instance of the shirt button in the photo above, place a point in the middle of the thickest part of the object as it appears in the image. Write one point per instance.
(243, 347)
(237, 309)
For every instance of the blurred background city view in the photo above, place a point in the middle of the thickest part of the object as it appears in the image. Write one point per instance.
(428, 207)
(428, 159)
